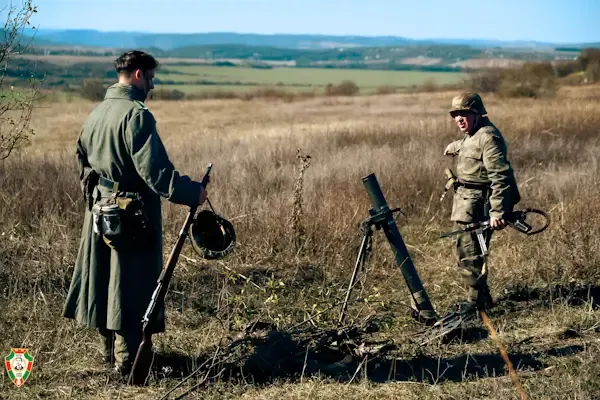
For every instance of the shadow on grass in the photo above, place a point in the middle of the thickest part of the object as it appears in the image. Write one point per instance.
(279, 356)
(262, 359)
(432, 370)
(573, 295)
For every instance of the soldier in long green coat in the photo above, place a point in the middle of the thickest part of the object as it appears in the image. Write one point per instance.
(486, 190)
(119, 151)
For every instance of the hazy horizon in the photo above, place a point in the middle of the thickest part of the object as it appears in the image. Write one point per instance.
(59, 29)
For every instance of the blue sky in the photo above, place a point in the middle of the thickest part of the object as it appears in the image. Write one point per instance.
(550, 20)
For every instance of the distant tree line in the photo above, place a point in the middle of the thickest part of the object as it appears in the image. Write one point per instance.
(447, 54)
(539, 79)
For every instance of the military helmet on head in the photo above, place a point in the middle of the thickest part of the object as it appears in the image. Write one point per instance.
(468, 101)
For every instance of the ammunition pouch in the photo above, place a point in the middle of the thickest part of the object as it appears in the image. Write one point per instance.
(120, 220)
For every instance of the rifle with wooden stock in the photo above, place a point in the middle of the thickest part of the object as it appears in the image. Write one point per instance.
(143, 358)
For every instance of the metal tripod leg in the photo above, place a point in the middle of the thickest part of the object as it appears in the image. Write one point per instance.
(360, 260)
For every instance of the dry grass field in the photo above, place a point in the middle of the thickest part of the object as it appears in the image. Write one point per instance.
(547, 286)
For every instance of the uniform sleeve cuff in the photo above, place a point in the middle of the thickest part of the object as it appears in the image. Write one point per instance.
(497, 214)
(187, 194)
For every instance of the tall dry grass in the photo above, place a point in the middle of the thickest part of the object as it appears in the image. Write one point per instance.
(553, 146)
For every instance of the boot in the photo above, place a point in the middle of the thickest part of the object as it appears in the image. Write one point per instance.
(123, 369)
(107, 339)
(484, 299)
(126, 345)
(466, 308)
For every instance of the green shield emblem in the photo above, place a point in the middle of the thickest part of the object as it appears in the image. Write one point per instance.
(18, 364)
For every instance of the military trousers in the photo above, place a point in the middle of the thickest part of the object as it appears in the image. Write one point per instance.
(120, 346)
(472, 264)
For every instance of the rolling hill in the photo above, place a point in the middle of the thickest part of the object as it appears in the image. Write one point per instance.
(170, 41)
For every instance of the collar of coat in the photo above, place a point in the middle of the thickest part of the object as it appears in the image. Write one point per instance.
(124, 91)
(483, 122)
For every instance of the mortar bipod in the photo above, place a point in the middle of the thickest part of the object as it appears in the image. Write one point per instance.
(366, 245)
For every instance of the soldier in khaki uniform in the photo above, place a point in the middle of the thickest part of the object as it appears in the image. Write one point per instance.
(486, 189)
(119, 152)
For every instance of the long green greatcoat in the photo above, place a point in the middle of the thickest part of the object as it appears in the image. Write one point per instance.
(482, 158)
(111, 289)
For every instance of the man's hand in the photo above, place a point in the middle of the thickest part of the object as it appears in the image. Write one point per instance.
(450, 149)
(497, 223)
(203, 195)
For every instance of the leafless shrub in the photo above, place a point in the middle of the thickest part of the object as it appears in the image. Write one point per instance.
(297, 196)
(16, 98)
(386, 89)
(167, 94)
(94, 89)
(344, 88)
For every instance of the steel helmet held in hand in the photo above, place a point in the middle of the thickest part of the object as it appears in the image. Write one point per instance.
(212, 236)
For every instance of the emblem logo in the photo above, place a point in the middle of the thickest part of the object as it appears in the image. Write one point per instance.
(18, 364)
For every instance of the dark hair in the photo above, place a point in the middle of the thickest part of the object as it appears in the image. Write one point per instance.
(135, 59)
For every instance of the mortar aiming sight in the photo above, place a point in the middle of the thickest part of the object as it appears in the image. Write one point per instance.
(381, 216)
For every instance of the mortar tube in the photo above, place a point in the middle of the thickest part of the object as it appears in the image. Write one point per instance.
(403, 260)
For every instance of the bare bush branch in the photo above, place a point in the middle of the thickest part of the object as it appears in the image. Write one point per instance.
(17, 96)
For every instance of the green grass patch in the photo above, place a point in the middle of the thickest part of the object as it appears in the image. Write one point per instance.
(307, 76)
(192, 88)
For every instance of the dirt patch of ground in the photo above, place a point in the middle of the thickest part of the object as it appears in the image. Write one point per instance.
(477, 63)
(420, 61)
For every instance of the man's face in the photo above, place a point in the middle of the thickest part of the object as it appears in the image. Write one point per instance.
(143, 80)
(465, 120)
(19, 364)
